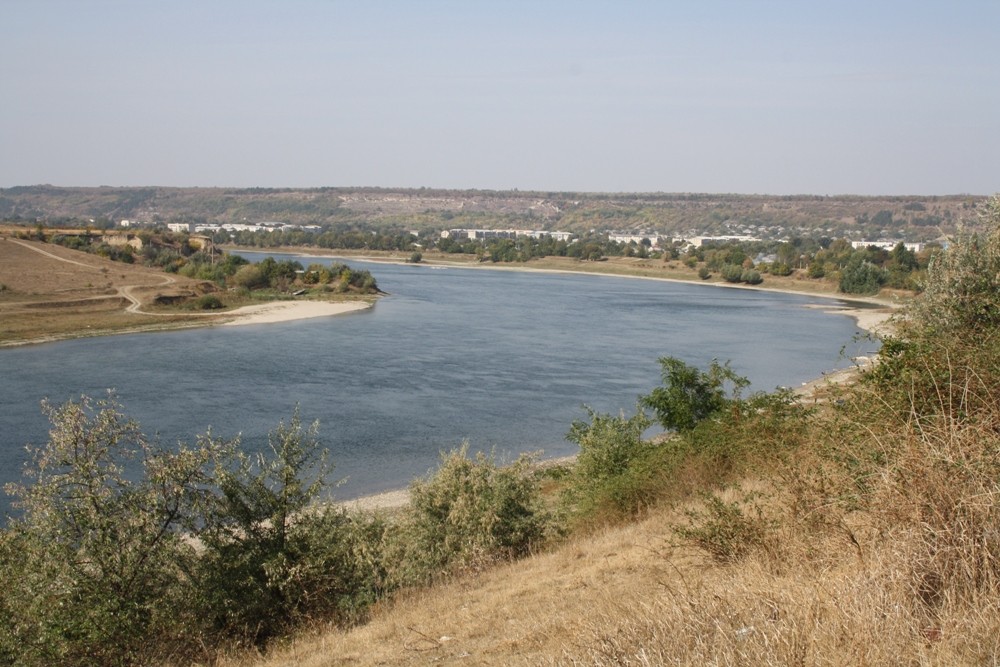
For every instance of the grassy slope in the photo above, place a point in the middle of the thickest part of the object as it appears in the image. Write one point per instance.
(880, 548)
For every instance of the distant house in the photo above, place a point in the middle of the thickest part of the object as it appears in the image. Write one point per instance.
(888, 245)
(482, 234)
(699, 241)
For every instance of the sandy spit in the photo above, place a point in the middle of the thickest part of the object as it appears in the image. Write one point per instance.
(285, 311)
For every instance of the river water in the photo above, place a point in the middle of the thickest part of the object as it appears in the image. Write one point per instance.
(505, 360)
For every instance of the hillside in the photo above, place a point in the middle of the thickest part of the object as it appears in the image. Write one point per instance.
(912, 218)
(859, 528)
(47, 291)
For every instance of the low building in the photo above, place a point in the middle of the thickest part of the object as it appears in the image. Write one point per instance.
(888, 245)
(483, 234)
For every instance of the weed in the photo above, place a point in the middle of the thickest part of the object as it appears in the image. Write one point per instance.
(728, 531)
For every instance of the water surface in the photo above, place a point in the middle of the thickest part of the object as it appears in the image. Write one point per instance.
(503, 359)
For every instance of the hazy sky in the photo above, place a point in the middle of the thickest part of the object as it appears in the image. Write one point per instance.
(747, 96)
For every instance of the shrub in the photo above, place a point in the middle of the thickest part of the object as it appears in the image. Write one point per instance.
(861, 277)
(689, 395)
(96, 570)
(751, 277)
(609, 478)
(254, 570)
(101, 570)
(250, 277)
(724, 529)
(704, 273)
(208, 302)
(731, 273)
(963, 283)
(469, 513)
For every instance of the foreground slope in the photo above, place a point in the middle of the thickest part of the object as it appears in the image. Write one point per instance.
(868, 538)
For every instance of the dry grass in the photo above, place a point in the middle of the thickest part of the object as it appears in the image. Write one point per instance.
(632, 595)
(629, 596)
(51, 292)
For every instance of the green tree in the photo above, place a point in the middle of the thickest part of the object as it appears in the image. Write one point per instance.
(250, 277)
(732, 273)
(689, 395)
(860, 276)
(964, 281)
(274, 558)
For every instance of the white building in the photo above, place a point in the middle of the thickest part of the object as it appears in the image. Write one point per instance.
(475, 234)
(888, 245)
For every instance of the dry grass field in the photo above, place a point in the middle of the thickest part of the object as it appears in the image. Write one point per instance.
(635, 595)
(49, 292)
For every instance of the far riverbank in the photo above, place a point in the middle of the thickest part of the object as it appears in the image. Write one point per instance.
(870, 313)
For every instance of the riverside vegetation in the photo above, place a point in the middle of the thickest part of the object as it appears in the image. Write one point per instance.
(859, 527)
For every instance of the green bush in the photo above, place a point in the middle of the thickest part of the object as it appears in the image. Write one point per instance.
(704, 273)
(610, 478)
(724, 529)
(731, 273)
(689, 395)
(265, 549)
(208, 302)
(963, 283)
(250, 277)
(861, 277)
(96, 570)
(469, 513)
(102, 568)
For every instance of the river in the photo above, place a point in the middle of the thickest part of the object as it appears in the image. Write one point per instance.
(505, 360)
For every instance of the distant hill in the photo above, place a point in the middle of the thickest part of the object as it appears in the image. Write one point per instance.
(911, 218)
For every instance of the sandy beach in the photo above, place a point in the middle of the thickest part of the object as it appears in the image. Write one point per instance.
(286, 311)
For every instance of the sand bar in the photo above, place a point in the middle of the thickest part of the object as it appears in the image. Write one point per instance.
(286, 311)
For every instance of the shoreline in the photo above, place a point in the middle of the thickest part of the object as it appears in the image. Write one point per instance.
(873, 317)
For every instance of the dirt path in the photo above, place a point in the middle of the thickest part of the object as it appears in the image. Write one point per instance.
(124, 291)
(56, 257)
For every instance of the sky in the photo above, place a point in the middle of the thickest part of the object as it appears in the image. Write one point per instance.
(875, 97)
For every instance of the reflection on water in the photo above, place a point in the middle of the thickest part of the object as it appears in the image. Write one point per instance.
(505, 360)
